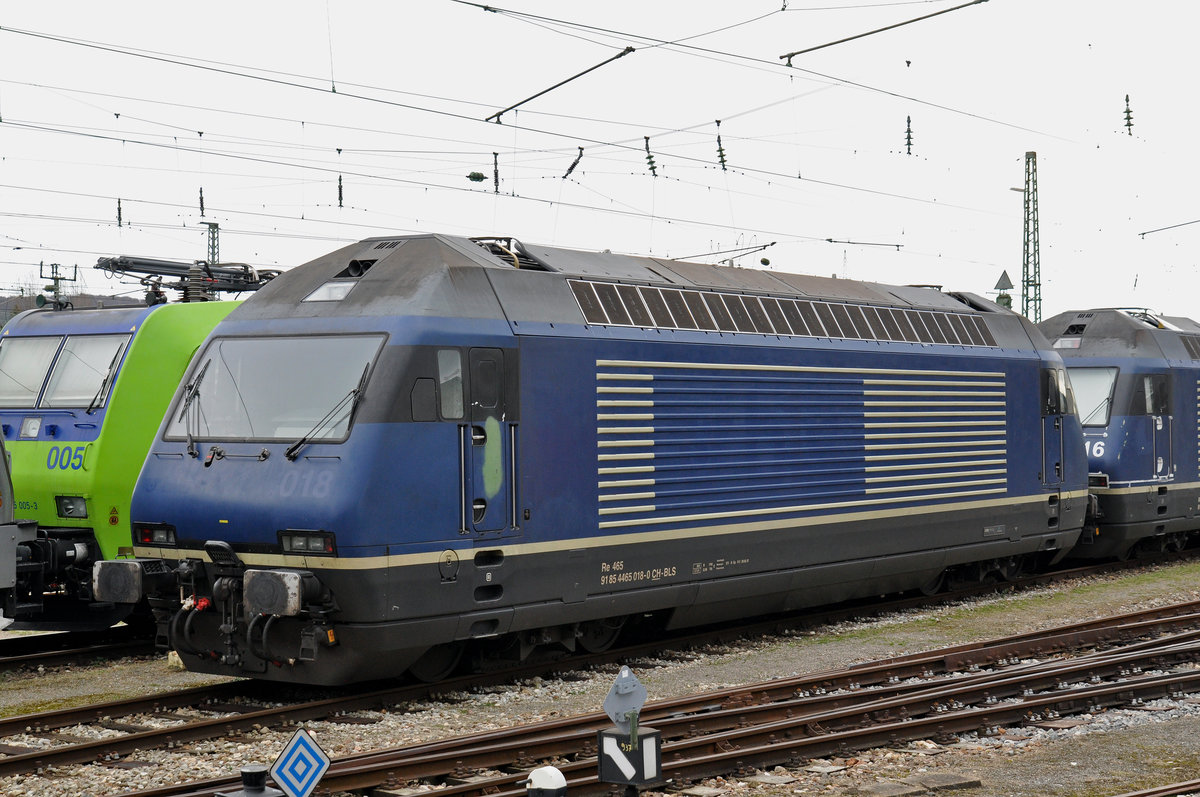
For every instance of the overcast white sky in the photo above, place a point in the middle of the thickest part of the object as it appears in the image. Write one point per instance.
(236, 99)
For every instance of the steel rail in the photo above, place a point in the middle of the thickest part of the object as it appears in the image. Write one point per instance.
(114, 747)
(1088, 632)
(689, 758)
(820, 716)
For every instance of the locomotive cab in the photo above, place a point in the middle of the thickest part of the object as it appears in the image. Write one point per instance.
(81, 395)
(1134, 378)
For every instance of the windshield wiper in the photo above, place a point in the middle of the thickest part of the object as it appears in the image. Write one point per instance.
(1101, 406)
(189, 394)
(112, 366)
(354, 396)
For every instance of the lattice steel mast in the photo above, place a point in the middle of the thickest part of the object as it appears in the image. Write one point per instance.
(1031, 267)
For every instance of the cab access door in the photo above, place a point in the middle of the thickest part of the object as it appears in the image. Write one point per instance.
(1152, 399)
(489, 443)
(1053, 406)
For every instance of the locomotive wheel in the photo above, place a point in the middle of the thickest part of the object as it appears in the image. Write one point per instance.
(934, 585)
(1013, 568)
(1176, 541)
(437, 663)
(1151, 546)
(598, 636)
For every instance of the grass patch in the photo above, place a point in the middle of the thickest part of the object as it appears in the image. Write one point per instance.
(1043, 608)
(55, 704)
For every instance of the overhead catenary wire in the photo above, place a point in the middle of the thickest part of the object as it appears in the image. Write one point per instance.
(788, 56)
(688, 159)
(618, 145)
(764, 62)
(496, 116)
(511, 177)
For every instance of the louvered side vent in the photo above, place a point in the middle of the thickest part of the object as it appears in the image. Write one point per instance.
(651, 307)
(388, 244)
(789, 441)
(1192, 344)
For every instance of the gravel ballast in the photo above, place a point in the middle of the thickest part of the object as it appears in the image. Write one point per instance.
(1114, 751)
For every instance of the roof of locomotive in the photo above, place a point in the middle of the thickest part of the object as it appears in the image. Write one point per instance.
(1116, 332)
(532, 287)
(454, 276)
(47, 321)
(103, 320)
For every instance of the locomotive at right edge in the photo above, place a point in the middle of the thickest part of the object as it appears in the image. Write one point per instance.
(420, 447)
(1136, 377)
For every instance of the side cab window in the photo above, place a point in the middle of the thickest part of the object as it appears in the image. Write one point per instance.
(1054, 392)
(1151, 395)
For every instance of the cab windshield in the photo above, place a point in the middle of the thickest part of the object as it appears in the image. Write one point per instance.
(84, 371)
(24, 363)
(1093, 388)
(279, 388)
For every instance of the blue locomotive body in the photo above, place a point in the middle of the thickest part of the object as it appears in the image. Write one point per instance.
(413, 445)
(1136, 377)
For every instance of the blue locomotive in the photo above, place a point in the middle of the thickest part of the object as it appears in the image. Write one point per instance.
(417, 445)
(1135, 377)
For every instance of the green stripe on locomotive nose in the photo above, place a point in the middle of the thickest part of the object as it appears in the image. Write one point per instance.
(103, 471)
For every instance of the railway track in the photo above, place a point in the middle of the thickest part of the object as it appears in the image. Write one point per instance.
(177, 719)
(907, 697)
(67, 649)
(1172, 790)
(836, 712)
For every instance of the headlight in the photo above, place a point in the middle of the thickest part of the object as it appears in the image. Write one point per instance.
(319, 543)
(154, 534)
(71, 506)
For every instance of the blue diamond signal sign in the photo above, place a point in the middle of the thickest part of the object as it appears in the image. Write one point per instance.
(300, 766)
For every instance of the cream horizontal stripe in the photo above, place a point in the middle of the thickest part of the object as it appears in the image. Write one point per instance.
(938, 383)
(926, 426)
(627, 403)
(885, 468)
(627, 510)
(881, 436)
(998, 441)
(933, 454)
(608, 540)
(626, 483)
(633, 377)
(941, 479)
(807, 369)
(826, 518)
(630, 455)
(1146, 487)
(935, 414)
(630, 469)
(649, 496)
(908, 488)
(911, 487)
(603, 389)
(624, 444)
(622, 416)
(625, 430)
(954, 393)
(933, 403)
